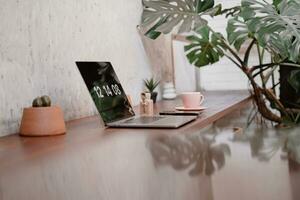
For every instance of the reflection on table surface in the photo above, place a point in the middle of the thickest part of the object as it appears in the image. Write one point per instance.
(260, 161)
(198, 152)
(227, 161)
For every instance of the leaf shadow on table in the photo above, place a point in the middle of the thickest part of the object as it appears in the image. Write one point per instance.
(201, 152)
(197, 153)
(264, 138)
(265, 143)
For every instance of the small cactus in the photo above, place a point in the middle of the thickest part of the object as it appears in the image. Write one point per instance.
(43, 101)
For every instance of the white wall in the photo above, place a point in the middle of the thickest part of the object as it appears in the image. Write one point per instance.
(222, 75)
(41, 39)
(185, 73)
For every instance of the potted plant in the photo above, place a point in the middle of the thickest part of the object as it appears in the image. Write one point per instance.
(256, 25)
(150, 85)
(42, 119)
(290, 87)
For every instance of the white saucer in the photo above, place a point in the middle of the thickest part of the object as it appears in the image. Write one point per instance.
(190, 109)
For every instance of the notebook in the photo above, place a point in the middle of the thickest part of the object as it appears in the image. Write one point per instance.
(112, 103)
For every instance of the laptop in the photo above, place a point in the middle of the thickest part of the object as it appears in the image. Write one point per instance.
(112, 103)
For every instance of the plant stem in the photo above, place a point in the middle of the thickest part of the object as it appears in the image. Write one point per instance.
(274, 64)
(234, 53)
(228, 47)
(259, 93)
(261, 71)
(261, 104)
(289, 64)
(247, 53)
(275, 85)
(232, 60)
(272, 98)
(273, 81)
(261, 66)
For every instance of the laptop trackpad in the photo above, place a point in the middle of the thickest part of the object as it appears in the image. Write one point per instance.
(143, 120)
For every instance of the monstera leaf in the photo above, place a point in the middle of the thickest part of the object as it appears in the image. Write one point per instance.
(276, 3)
(167, 14)
(206, 47)
(275, 28)
(237, 32)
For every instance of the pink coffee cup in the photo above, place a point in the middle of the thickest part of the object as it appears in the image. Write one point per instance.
(192, 99)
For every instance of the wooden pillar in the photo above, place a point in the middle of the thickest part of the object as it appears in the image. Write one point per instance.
(160, 55)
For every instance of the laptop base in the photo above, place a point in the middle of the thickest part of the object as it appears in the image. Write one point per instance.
(158, 122)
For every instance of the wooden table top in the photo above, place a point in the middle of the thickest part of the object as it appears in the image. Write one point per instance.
(91, 162)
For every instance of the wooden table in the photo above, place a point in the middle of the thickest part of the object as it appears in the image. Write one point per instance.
(91, 162)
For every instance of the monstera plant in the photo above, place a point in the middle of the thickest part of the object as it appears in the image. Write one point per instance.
(272, 29)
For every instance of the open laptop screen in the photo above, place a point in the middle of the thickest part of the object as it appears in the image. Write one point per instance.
(106, 90)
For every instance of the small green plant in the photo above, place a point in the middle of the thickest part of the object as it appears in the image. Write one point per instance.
(43, 101)
(151, 84)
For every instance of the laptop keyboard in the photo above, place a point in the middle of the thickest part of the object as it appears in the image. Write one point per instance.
(143, 120)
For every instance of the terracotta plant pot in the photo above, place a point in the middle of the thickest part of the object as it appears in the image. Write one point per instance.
(42, 121)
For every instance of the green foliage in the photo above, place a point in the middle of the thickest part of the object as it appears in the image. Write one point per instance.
(203, 5)
(43, 101)
(151, 84)
(165, 15)
(205, 48)
(273, 28)
(237, 32)
(276, 3)
(234, 11)
(152, 33)
(294, 80)
(276, 30)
